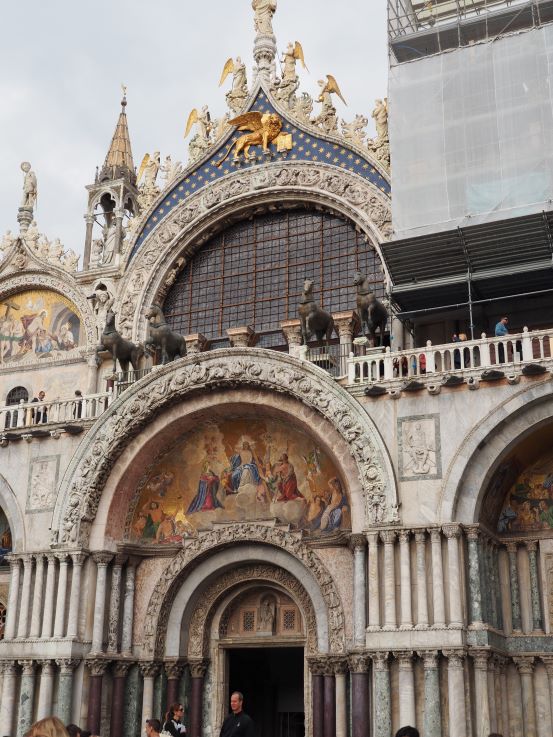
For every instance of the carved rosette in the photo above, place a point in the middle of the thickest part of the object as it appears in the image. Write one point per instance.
(92, 464)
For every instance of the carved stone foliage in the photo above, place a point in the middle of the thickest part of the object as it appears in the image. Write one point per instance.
(162, 598)
(90, 467)
(198, 631)
(323, 184)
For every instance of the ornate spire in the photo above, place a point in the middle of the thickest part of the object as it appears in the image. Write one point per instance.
(119, 163)
(264, 50)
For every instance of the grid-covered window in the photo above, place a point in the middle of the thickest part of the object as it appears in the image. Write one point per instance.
(253, 272)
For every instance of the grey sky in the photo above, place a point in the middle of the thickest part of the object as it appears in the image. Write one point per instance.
(62, 63)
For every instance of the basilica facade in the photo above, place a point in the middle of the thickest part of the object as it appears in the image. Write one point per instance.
(355, 532)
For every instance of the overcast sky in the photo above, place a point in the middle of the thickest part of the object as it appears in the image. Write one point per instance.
(62, 63)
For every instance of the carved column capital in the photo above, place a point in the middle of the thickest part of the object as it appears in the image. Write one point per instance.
(455, 658)
(67, 665)
(480, 658)
(149, 669)
(198, 667)
(435, 534)
(47, 667)
(27, 667)
(380, 661)
(291, 330)
(420, 536)
(388, 537)
(404, 536)
(120, 668)
(547, 660)
(195, 343)
(317, 664)
(78, 558)
(472, 532)
(525, 665)
(102, 558)
(51, 558)
(357, 541)
(429, 658)
(404, 658)
(340, 665)
(512, 546)
(531, 546)
(63, 557)
(97, 666)
(359, 662)
(174, 669)
(372, 539)
(347, 324)
(451, 531)
(242, 337)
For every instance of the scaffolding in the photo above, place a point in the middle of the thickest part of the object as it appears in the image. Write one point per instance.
(419, 28)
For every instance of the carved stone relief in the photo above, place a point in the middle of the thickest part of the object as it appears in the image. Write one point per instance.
(43, 476)
(419, 447)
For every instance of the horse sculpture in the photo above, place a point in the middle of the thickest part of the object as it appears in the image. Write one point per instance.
(370, 310)
(172, 345)
(314, 320)
(122, 350)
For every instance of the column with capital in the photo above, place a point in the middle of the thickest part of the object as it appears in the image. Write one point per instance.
(347, 324)
(452, 533)
(317, 667)
(537, 619)
(44, 708)
(198, 668)
(475, 581)
(292, 332)
(548, 662)
(525, 667)
(382, 696)
(128, 609)
(501, 695)
(406, 688)
(456, 693)
(360, 696)
(422, 596)
(36, 615)
(97, 668)
(329, 699)
(514, 585)
(374, 583)
(23, 623)
(78, 560)
(480, 658)
(149, 672)
(358, 543)
(491, 695)
(340, 674)
(438, 583)
(432, 712)
(48, 618)
(9, 685)
(13, 597)
(173, 670)
(26, 697)
(102, 561)
(114, 606)
(406, 619)
(120, 670)
(59, 622)
(388, 537)
(65, 688)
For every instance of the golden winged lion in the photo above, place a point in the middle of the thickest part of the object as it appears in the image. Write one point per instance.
(264, 128)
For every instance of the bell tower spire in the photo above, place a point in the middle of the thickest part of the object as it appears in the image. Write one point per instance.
(119, 163)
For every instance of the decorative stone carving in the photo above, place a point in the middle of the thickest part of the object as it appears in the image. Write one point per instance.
(123, 420)
(430, 658)
(97, 666)
(67, 665)
(174, 669)
(121, 668)
(455, 658)
(359, 662)
(525, 665)
(380, 661)
(354, 132)
(198, 667)
(149, 669)
(317, 664)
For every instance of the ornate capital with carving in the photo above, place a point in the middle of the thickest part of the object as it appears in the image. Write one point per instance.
(472, 532)
(404, 536)
(435, 534)
(67, 665)
(78, 558)
(420, 537)
(97, 666)
(372, 539)
(102, 558)
(547, 660)
(451, 531)
(480, 658)
(404, 658)
(198, 667)
(340, 665)
(388, 537)
(380, 661)
(357, 542)
(27, 667)
(174, 669)
(429, 658)
(359, 662)
(525, 665)
(120, 668)
(455, 658)
(149, 669)
(512, 546)
(531, 546)
(63, 558)
(8, 667)
(317, 664)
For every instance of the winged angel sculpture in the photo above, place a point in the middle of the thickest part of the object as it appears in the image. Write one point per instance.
(264, 127)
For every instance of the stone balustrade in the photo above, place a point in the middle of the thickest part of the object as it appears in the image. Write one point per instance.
(34, 415)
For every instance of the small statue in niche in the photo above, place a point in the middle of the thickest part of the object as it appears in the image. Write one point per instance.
(266, 616)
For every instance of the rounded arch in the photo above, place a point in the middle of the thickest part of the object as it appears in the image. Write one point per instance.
(275, 373)
(10, 507)
(484, 448)
(211, 554)
(236, 196)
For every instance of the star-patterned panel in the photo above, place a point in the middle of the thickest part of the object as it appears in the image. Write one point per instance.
(307, 148)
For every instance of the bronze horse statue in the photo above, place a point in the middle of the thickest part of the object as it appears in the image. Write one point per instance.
(172, 345)
(314, 320)
(370, 310)
(122, 350)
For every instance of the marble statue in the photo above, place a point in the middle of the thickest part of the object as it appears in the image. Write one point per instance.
(32, 236)
(287, 87)
(354, 132)
(71, 260)
(7, 241)
(303, 107)
(101, 300)
(147, 176)
(203, 138)
(151, 168)
(380, 115)
(29, 186)
(170, 171)
(327, 118)
(263, 20)
(56, 251)
(43, 247)
(239, 91)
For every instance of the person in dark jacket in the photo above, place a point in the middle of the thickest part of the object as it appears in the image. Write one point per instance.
(238, 723)
(173, 721)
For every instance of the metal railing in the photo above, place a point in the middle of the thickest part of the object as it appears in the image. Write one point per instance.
(56, 411)
(474, 356)
(332, 358)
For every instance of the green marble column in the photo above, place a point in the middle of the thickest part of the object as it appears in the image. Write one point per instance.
(515, 591)
(475, 590)
(537, 619)
(382, 697)
(133, 704)
(26, 696)
(65, 689)
(432, 726)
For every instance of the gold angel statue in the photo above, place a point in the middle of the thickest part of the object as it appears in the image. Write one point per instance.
(293, 53)
(203, 119)
(264, 127)
(327, 89)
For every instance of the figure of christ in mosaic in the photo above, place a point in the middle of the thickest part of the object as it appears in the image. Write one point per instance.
(529, 502)
(237, 470)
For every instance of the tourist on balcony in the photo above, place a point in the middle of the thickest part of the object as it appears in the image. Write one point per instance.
(78, 407)
(40, 414)
(500, 332)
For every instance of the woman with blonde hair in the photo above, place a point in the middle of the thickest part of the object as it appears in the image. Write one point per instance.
(49, 727)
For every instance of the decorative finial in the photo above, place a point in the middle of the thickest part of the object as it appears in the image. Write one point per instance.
(124, 100)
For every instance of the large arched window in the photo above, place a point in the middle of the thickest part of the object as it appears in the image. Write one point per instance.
(252, 273)
(17, 394)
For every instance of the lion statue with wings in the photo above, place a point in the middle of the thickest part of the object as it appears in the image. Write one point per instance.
(264, 127)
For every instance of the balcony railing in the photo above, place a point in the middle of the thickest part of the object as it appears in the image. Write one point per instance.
(57, 411)
(469, 357)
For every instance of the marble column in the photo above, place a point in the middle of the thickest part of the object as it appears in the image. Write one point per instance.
(505, 695)
(422, 597)
(198, 669)
(382, 696)
(432, 724)
(65, 689)
(438, 583)
(515, 589)
(340, 674)
(388, 537)
(374, 585)
(491, 695)
(36, 616)
(548, 662)
(7, 711)
(475, 582)
(149, 672)
(406, 620)
(120, 670)
(102, 561)
(406, 688)
(291, 330)
(46, 692)
(525, 667)
(114, 606)
(537, 619)
(482, 710)
(48, 619)
(59, 622)
(347, 324)
(13, 597)
(97, 668)
(78, 560)
(24, 607)
(358, 543)
(452, 533)
(26, 694)
(360, 696)
(329, 700)
(173, 670)
(128, 609)
(456, 693)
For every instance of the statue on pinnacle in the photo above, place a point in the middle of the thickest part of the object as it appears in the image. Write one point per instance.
(264, 11)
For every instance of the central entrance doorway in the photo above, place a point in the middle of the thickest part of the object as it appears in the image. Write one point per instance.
(271, 679)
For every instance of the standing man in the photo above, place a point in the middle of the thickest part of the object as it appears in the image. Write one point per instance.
(500, 332)
(152, 728)
(237, 724)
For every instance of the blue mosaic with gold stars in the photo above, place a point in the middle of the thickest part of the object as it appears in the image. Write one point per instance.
(307, 147)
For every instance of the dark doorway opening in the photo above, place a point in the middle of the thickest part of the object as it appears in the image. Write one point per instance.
(271, 679)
